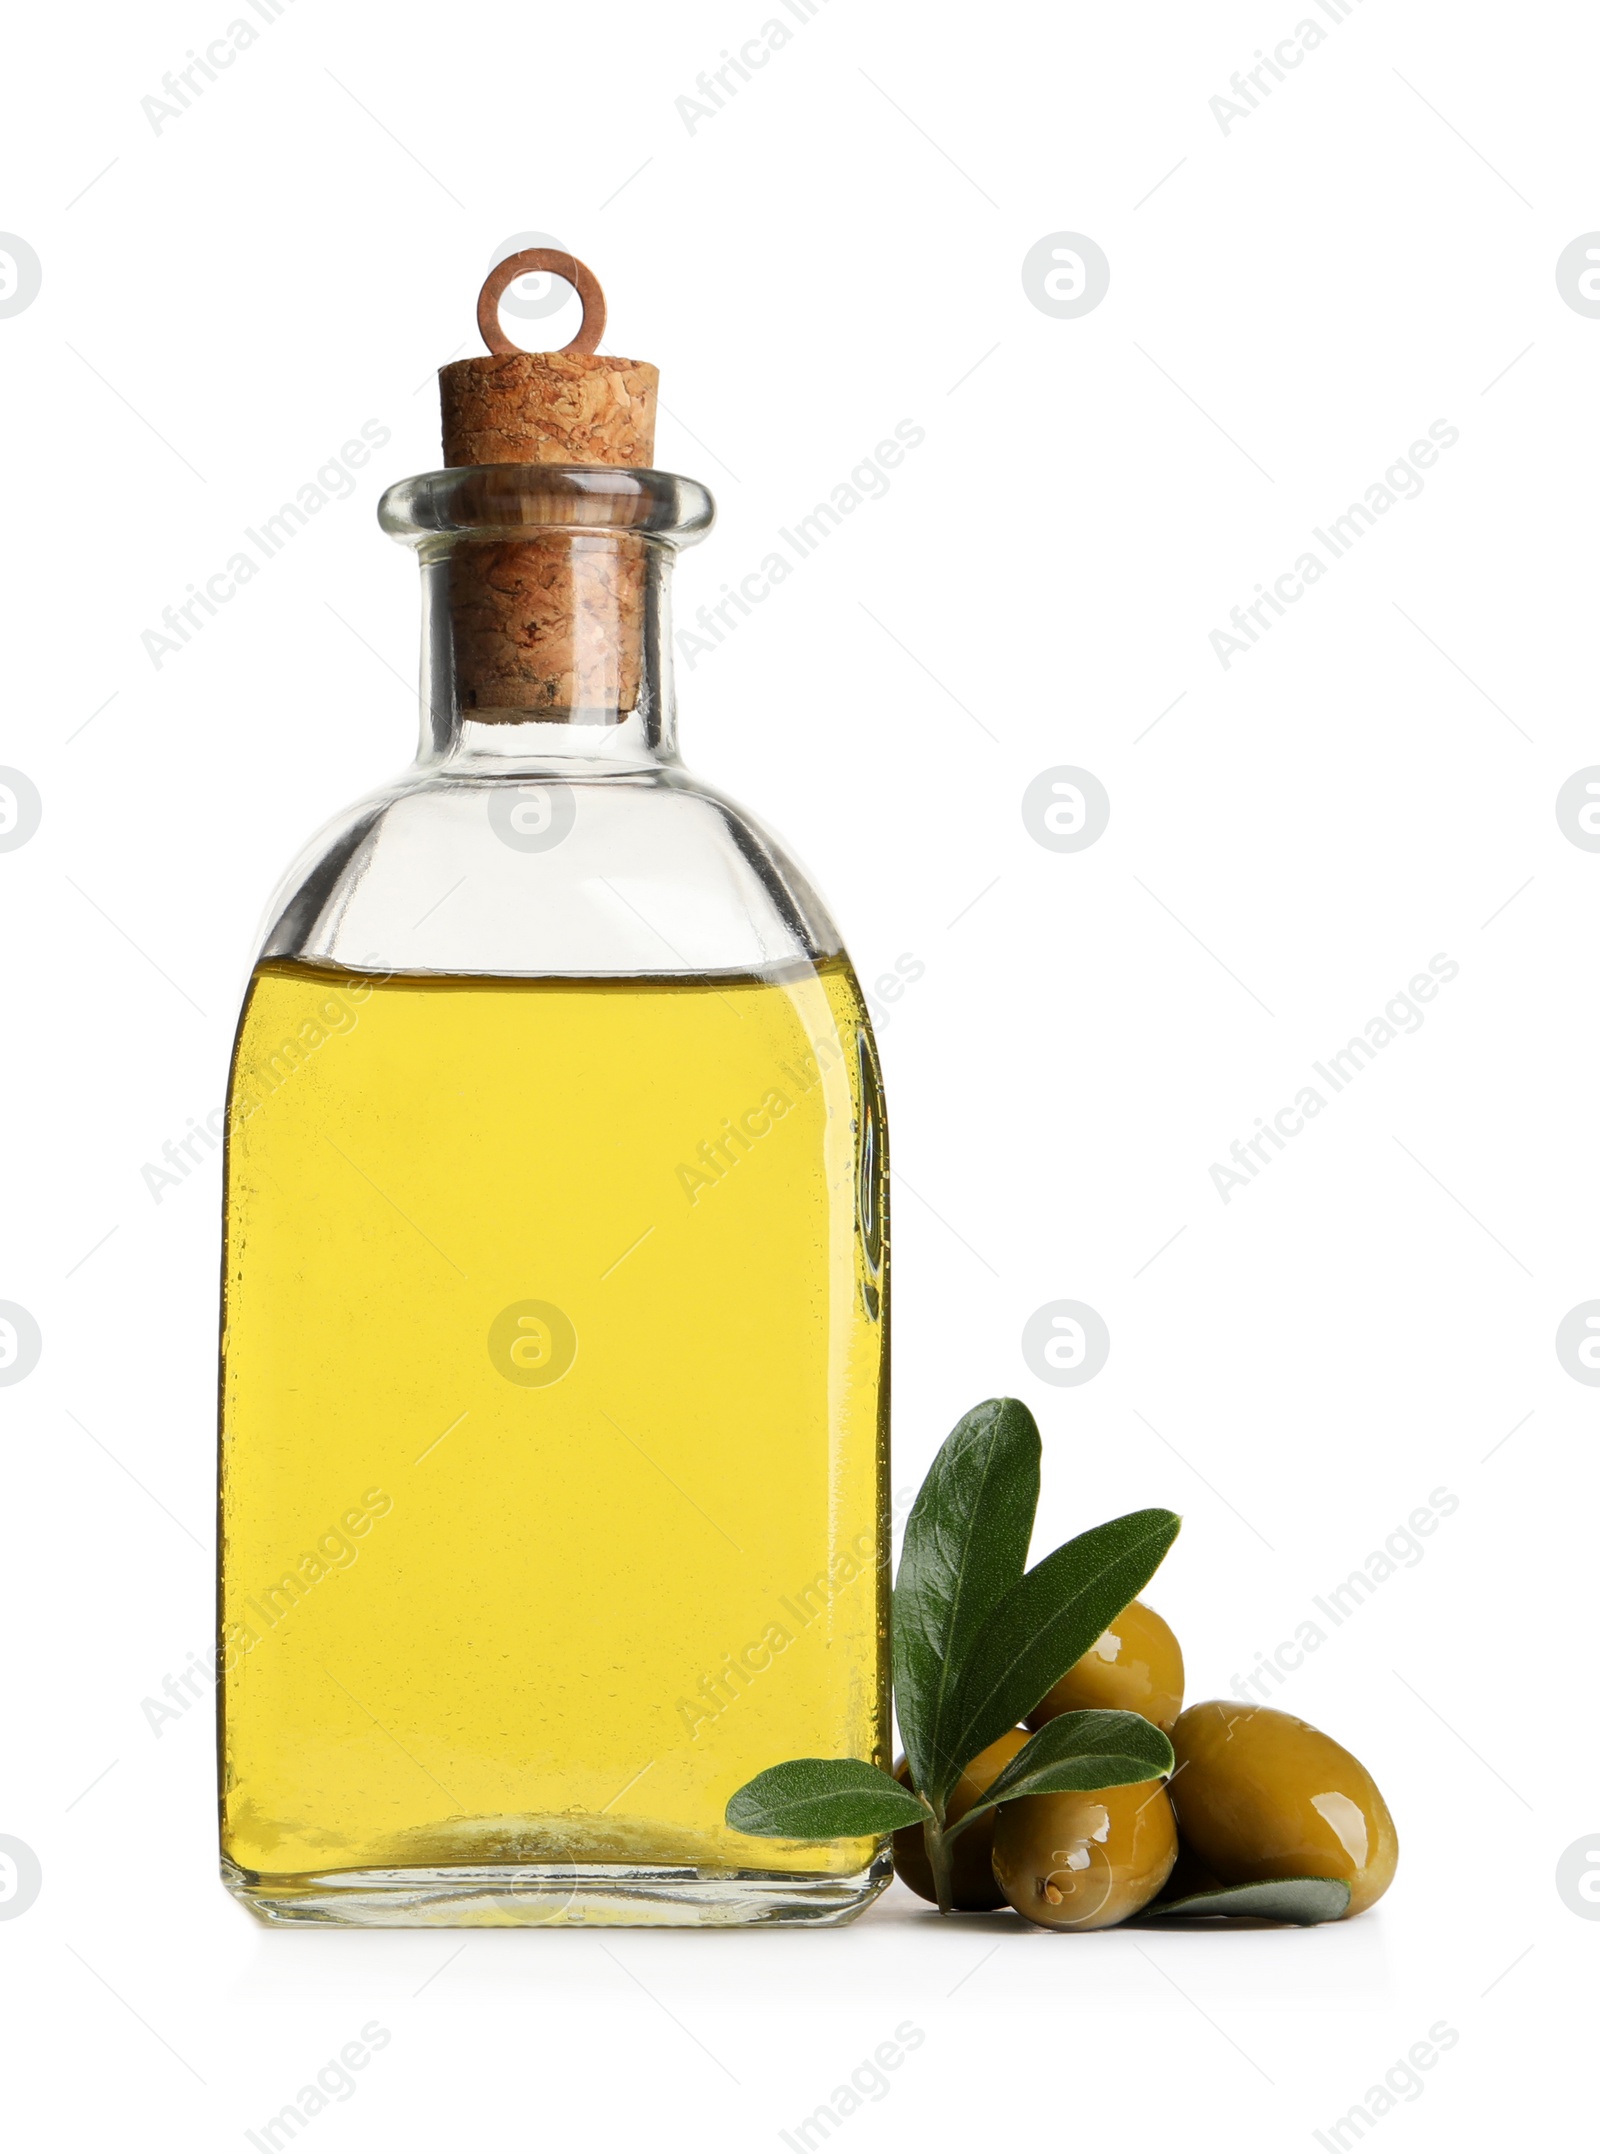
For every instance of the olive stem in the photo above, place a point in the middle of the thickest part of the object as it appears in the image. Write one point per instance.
(937, 1847)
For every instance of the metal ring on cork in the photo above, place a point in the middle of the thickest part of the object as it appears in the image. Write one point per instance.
(567, 266)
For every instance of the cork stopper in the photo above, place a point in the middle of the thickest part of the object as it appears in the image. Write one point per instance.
(552, 625)
(574, 406)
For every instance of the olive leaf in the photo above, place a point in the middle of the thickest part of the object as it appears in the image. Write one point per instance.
(1047, 1621)
(823, 1799)
(1078, 1752)
(1280, 1899)
(966, 1542)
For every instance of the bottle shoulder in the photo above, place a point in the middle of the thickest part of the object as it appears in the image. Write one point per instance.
(591, 874)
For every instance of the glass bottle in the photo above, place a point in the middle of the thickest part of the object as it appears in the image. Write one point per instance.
(554, 1393)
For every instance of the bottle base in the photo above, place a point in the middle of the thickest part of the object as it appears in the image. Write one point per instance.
(503, 1896)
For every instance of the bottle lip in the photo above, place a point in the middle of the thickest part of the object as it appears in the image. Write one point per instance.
(508, 501)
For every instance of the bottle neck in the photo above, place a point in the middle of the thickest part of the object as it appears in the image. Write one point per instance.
(550, 650)
(546, 637)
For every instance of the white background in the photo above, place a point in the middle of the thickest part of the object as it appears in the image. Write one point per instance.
(1292, 303)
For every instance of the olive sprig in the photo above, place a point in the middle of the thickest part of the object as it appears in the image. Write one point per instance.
(977, 1641)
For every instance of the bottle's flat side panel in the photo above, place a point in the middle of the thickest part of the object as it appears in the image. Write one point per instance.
(553, 1443)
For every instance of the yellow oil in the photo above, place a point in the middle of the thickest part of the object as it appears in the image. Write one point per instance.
(553, 1416)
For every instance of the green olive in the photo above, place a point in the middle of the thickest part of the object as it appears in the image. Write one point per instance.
(1134, 1666)
(1260, 1794)
(972, 1885)
(1083, 1862)
(1189, 1875)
